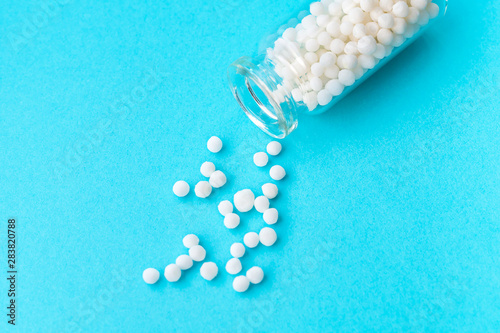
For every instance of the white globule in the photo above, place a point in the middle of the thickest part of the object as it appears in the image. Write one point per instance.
(243, 200)
(255, 275)
(267, 236)
(207, 169)
(270, 190)
(209, 270)
(172, 273)
(184, 262)
(260, 159)
(203, 189)
(261, 203)
(277, 172)
(274, 148)
(233, 266)
(237, 250)
(197, 253)
(214, 144)
(190, 240)
(225, 207)
(251, 239)
(231, 220)
(339, 42)
(241, 283)
(181, 188)
(271, 216)
(150, 275)
(218, 179)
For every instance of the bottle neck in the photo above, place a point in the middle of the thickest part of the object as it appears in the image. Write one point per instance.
(257, 88)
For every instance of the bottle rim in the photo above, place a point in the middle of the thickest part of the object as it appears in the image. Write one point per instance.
(252, 82)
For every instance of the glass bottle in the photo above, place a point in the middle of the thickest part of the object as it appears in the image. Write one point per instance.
(317, 58)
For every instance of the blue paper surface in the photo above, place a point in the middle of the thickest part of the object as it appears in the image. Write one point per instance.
(389, 214)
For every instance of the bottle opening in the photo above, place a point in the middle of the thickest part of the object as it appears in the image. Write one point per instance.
(252, 84)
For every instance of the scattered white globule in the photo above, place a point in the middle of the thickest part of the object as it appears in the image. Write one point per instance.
(225, 207)
(209, 270)
(181, 188)
(255, 275)
(241, 283)
(251, 239)
(214, 144)
(270, 190)
(277, 172)
(207, 169)
(233, 266)
(273, 148)
(267, 236)
(260, 159)
(243, 200)
(261, 203)
(172, 273)
(190, 240)
(217, 179)
(197, 253)
(231, 220)
(151, 275)
(338, 43)
(184, 262)
(271, 216)
(237, 250)
(203, 189)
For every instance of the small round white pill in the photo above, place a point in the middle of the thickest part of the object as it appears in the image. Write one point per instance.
(203, 189)
(311, 57)
(277, 172)
(324, 38)
(270, 190)
(150, 275)
(433, 10)
(271, 216)
(241, 283)
(181, 188)
(255, 275)
(367, 45)
(290, 34)
(312, 45)
(334, 87)
(316, 83)
(243, 200)
(372, 29)
(190, 240)
(332, 72)
(273, 148)
(261, 203)
(317, 69)
(207, 168)
(413, 14)
(267, 236)
(356, 15)
(251, 239)
(184, 262)
(386, 5)
(260, 159)
(385, 36)
(197, 253)
(419, 4)
(237, 250)
(328, 59)
(367, 61)
(386, 21)
(346, 77)
(214, 144)
(233, 266)
(225, 207)
(217, 179)
(337, 46)
(231, 220)
(367, 5)
(209, 270)
(333, 28)
(324, 97)
(400, 9)
(172, 273)
(346, 27)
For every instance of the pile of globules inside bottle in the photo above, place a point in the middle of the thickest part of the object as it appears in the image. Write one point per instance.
(339, 41)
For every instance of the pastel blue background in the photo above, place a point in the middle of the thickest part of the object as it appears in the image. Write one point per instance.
(389, 214)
